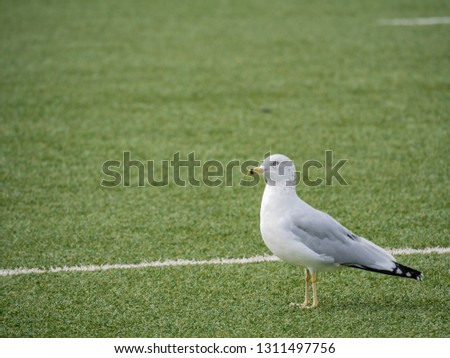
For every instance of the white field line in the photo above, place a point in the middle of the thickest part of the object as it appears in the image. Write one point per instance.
(248, 260)
(423, 21)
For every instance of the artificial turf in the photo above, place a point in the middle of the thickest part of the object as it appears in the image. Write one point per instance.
(227, 301)
(83, 81)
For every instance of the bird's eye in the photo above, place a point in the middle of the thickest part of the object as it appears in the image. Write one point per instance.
(274, 164)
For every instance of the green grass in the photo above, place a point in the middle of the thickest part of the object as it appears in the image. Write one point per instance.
(83, 81)
(227, 301)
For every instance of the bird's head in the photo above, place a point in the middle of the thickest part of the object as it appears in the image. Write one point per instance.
(278, 170)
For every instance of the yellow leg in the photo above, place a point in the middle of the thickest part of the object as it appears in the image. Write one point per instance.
(314, 287)
(307, 279)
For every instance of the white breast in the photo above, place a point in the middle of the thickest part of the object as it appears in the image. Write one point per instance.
(275, 213)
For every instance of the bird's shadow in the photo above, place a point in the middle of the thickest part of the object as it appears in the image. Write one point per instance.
(372, 305)
(344, 297)
(375, 302)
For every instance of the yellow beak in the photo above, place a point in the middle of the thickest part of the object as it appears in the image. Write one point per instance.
(258, 170)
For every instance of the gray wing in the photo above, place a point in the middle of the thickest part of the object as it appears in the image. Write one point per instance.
(326, 236)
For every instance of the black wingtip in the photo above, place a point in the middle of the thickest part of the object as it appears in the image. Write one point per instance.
(398, 270)
(408, 272)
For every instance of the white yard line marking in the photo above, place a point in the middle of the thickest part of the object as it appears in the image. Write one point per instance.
(423, 21)
(248, 260)
(428, 250)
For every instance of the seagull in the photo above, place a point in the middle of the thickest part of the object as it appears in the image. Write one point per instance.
(303, 236)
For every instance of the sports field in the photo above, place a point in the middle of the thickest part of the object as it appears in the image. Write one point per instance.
(81, 82)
